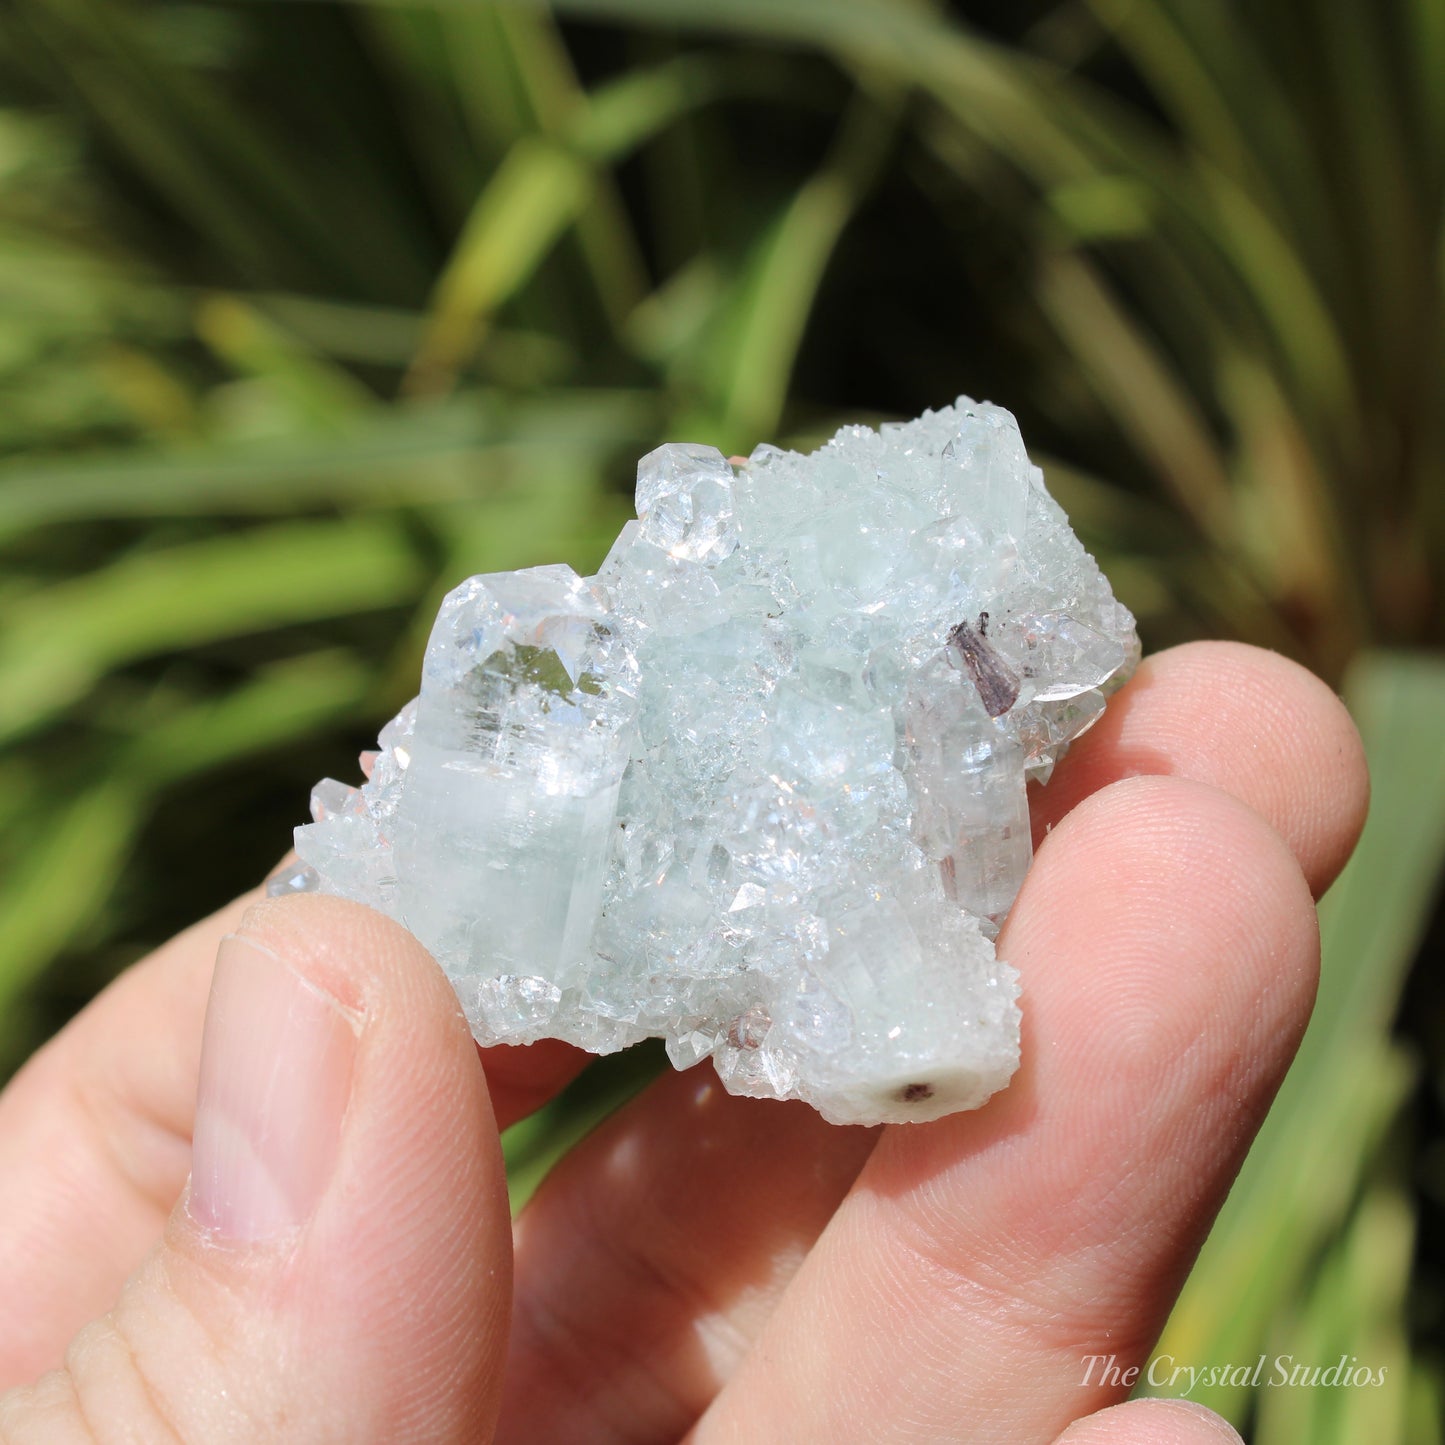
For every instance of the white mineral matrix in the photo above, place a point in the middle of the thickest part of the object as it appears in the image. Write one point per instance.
(758, 787)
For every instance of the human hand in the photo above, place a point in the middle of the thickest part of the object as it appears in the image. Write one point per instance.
(341, 1265)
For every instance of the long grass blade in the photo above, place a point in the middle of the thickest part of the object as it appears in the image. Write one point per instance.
(1347, 1084)
(401, 457)
(57, 643)
(1138, 389)
(540, 190)
(778, 292)
(58, 883)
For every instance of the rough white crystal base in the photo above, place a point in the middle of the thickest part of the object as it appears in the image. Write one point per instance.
(758, 787)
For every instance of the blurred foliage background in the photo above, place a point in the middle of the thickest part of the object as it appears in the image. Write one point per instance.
(308, 310)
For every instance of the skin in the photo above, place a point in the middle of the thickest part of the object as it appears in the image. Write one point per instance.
(704, 1267)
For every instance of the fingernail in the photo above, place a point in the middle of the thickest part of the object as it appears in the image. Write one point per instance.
(276, 1063)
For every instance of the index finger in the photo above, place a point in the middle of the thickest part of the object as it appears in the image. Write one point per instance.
(1249, 721)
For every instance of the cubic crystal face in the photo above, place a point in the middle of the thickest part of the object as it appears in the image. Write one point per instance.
(758, 787)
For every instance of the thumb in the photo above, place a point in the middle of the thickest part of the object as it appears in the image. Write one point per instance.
(340, 1266)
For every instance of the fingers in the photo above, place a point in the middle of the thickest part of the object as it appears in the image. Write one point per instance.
(1151, 1422)
(1248, 721)
(655, 1252)
(95, 1140)
(1167, 943)
(94, 1137)
(340, 1267)
(629, 1235)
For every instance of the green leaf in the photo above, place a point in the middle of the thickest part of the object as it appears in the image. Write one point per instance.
(399, 457)
(546, 184)
(76, 846)
(534, 196)
(779, 290)
(320, 396)
(1140, 391)
(279, 704)
(534, 1146)
(60, 880)
(207, 159)
(55, 644)
(1352, 1318)
(1348, 1082)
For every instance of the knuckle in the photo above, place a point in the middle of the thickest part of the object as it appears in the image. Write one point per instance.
(115, 1397)
(45, 1413)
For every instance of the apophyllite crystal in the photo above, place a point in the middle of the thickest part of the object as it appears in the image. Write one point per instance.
(757, 787)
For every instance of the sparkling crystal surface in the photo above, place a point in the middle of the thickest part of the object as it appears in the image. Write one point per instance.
(758, 787)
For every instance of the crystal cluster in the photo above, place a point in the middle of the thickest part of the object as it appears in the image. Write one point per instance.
(757, 787)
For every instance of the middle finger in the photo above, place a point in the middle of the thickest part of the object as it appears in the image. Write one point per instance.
(624, 1289)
